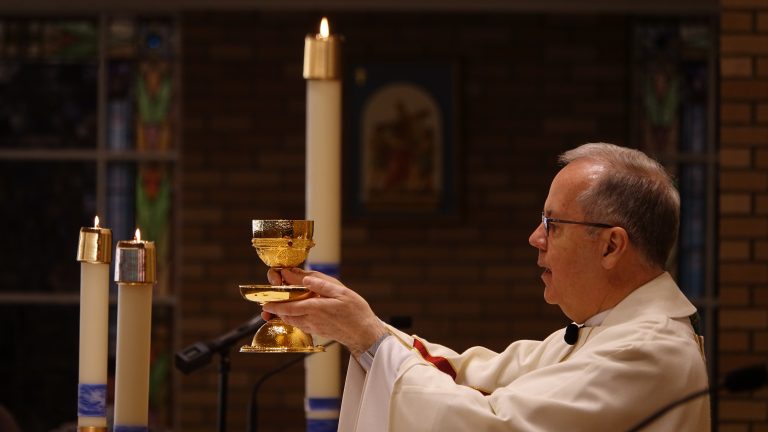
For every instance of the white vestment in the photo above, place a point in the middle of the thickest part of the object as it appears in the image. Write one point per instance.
(643, 356)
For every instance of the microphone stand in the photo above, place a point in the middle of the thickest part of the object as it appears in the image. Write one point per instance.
(253, 407)
(224, 366)
(398, 321)
(199, 354)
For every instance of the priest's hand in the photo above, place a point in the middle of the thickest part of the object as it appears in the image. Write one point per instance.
(335, 312)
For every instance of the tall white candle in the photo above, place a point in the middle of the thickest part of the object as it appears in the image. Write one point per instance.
(323, 205)
(135, 275)
(94, 252)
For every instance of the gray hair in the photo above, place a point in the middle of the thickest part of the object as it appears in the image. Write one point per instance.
(635, 193)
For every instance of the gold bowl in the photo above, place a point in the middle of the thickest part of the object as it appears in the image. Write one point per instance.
(282, 252)
(282, 243)
(283, 228)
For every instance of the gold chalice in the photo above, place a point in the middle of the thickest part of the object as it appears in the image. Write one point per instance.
(280, 243)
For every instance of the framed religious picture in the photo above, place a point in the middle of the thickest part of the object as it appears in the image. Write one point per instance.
(401, 139)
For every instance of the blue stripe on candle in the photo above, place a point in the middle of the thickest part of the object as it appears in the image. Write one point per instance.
(331, 269)
(122, 428)
(91, 400)
(326, 425)
(313, 404)
(323, 404)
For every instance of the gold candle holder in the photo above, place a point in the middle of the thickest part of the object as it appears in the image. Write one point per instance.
(95, 245)
(322, 55)
(135, 263)
(280, 243)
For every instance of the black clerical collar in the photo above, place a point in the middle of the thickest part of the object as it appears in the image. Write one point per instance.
(571, 333)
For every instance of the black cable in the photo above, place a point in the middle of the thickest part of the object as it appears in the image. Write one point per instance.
(398, 321)
(743, 379)
(253, 417)
(648, 420)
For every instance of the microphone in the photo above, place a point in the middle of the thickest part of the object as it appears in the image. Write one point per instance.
(743, 379)
(571, 334)
(199, 354)
(746, 379)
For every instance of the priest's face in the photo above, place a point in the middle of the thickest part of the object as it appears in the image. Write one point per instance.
(568, 253)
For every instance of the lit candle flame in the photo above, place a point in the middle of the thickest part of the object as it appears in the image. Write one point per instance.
(96, 221)
(137, 236)
(325, 30)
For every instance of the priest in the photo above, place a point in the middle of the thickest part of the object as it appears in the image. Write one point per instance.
(606, 231)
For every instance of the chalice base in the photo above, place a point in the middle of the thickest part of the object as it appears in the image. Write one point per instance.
(275, 336)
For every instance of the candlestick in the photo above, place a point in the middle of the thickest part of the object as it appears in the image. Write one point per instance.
(135, 274)
(323, 205)
(94, 252)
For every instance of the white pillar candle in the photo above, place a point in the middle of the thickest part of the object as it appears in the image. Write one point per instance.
(94, 252)
(323, 205)
(135, 275)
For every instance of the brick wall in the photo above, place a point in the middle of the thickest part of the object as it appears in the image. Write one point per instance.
(530, 87)
(743, 261)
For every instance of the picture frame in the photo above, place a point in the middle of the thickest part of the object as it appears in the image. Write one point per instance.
(401, 138)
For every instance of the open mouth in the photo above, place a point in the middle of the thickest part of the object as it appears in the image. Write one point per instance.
(547, 270)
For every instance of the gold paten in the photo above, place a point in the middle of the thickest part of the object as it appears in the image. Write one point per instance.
(262, 294)
(91, 429)
(280, 243)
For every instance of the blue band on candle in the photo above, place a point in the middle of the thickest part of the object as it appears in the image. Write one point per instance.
(331, 269)
(326, 425)
(314, 404)
(121, 428)
(91, 400)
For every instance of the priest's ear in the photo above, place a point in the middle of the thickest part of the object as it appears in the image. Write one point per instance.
(614, 246)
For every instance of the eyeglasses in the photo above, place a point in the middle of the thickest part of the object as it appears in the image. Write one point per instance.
(548, 220)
